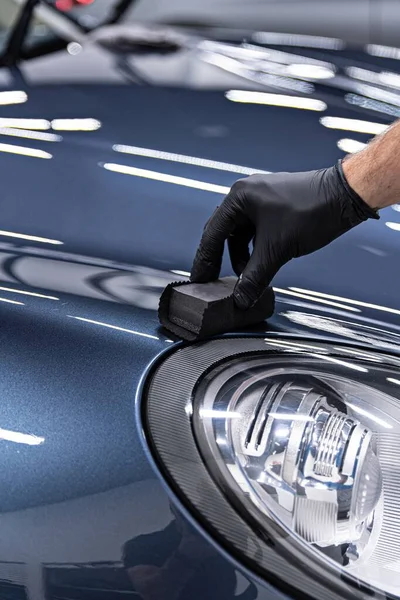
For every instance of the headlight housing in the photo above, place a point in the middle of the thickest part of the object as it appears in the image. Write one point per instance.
(289, 454)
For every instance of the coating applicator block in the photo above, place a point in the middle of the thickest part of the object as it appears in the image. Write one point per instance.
(197, 310)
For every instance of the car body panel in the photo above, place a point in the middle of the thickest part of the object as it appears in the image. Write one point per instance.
(79, 322)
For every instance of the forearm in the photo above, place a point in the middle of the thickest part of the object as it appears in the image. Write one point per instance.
(374, 173)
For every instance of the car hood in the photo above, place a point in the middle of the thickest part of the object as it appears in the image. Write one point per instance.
(90, 234)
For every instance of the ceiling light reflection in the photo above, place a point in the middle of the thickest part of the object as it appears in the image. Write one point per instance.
(299, 294)
(393, 226)
(386, 78)
(13, 98)
(266, 73)
(24, 151)
(369, 415)
(310, 71)
(291, 417)
(14, 291)
(297, 344)
(146, 335)
(31, 238)
(7, 301)
(355, 125)
(378, 94)
(349, 300)
(374, 105)
(305, 41)
(343, 363)
(383, 51)
(285, 348)
(182, 158)
(182, 273)
(155, 176)
(21, 438)
(29, 134)
(249, 97)
(350, 146)
(75, 124)
(219, 414)
(41, 124)
(358, 353)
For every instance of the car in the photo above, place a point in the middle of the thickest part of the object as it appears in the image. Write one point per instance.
(259, 464)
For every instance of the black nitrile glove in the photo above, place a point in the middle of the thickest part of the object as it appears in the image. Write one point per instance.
(286, 215)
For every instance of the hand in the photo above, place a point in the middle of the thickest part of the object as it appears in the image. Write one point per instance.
(286, 215)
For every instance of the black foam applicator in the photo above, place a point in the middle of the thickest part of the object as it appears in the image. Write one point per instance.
(195, 311)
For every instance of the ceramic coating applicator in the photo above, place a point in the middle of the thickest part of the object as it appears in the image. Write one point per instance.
(194, 311)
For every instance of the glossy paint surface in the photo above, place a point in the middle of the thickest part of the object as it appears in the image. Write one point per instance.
(89, 237)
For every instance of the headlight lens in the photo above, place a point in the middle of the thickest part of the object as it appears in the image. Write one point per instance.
(305, 448)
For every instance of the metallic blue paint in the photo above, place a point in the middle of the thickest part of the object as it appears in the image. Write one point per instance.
(71, 365)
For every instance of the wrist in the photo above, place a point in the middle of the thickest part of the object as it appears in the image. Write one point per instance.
(352, 181)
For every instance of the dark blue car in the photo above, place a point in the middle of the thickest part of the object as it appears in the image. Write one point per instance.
(263, 464)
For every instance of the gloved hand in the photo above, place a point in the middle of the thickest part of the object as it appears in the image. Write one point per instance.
(286, 215)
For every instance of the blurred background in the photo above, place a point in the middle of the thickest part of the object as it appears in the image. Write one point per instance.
(373, 21)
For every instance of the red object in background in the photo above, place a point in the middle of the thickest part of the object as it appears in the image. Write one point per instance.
(67, 5)
(64, 5)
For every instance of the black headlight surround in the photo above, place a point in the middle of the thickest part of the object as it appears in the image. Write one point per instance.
(169, 433)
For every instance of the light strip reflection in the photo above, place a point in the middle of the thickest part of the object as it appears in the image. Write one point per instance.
(23, 150)
(349, 300)
(393, 226)
(249, 97)
(11, 301)
(298, 39)
(304, 295)
(283, 347)
(155, 176)
(21, 438)
(299, 344)
(23, 292)
(374, 105)
(182, 158)
(31, 135)
(182, 273)
(41, 124)
(350, 146)
(291, 417)
(386, 78)
(384, 51)
(146, 335)
(31, 238)
(355, 125)
(75, 124)
(13, 98)
(343, 363)
(219, 414)
(369, 415)
(359, 354)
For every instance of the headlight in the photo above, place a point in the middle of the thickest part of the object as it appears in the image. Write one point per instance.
(290, 453)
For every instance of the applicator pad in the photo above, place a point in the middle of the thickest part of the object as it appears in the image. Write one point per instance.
(194, 311)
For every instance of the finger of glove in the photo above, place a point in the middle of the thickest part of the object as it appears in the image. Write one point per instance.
(207, 262)
(257, 275)
(238, 245)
